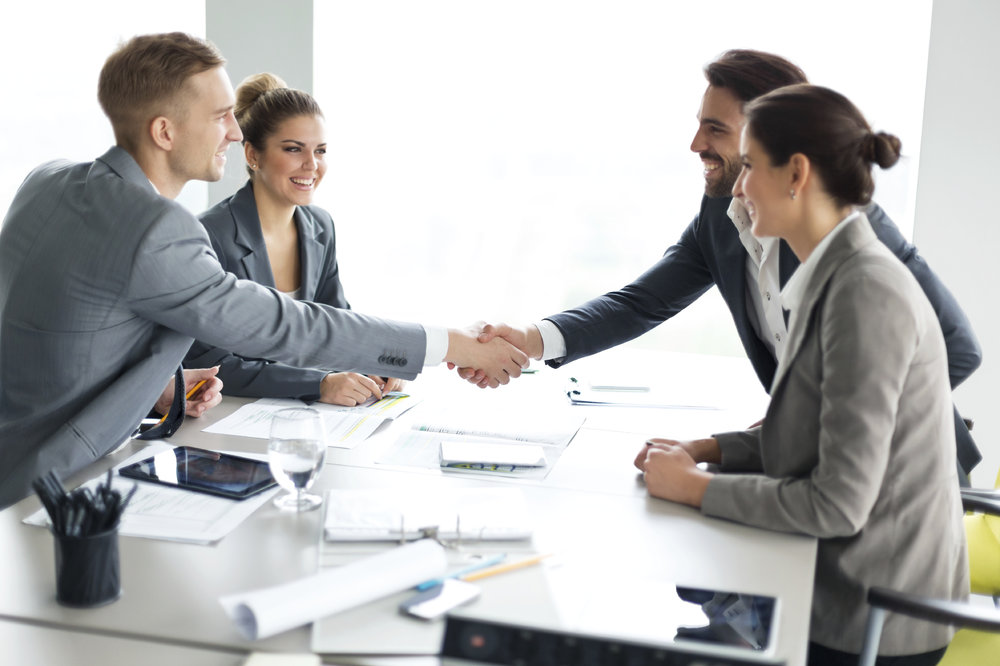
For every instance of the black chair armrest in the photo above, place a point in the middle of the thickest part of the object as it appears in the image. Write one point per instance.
(958, 613)
(983, 501)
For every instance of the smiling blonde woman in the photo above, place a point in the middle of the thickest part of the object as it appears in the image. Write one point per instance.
(270, 232)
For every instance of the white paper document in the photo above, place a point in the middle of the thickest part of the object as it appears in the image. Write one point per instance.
(172, 514)
(386, 514)
(460, 453)
(629, 394)
(421, 445)
(269, 611)
(547, 429)
(345, 427)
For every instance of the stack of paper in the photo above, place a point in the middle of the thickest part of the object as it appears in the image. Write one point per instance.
(484, 445)
(383, 514)
(345, 427)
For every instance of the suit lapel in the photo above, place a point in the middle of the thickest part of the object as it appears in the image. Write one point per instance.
(856, 235)
(250, 238)
(787, 263)
(310, 253)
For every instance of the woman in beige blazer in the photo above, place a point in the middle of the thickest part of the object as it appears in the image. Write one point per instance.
(856, 443)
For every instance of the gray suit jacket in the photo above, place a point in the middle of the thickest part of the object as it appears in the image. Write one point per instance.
(710, 252)
(856, 447)
(103, 286)
(233, 227)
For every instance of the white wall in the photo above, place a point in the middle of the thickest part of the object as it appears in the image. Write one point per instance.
(259, 36)
(955, 226)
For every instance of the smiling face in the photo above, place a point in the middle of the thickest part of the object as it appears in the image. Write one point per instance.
(717, 141)
(205, 128)
(764, 189)
(292, 162)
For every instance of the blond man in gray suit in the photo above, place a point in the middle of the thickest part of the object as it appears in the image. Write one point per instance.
(856, 445)
(105, 280)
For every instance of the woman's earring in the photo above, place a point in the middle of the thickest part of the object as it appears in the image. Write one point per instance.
(792, 194)
(254, 166)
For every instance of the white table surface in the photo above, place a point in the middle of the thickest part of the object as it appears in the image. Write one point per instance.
(592, 510)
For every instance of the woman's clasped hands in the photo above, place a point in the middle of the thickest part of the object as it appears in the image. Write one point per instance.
(670, 468)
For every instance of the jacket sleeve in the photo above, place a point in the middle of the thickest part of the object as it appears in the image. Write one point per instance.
(964, 352)
(263, 378)
(861, 386)
(177, 281)
(674, 282)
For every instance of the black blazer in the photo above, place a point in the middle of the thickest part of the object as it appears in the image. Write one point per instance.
(708, 253)
(234, 229)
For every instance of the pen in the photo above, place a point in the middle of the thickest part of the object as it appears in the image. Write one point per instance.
(482, 564)
(629, 389)
(504, 568)
(187, 396)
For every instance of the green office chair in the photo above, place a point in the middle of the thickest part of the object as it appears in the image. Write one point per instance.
(978, 639)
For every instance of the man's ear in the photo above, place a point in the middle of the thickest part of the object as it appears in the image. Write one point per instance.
(162, 131)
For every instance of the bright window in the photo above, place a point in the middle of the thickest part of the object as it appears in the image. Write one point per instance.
(54, 52)
(510, 159)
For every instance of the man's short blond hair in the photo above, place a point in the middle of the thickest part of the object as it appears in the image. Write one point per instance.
(143, 79)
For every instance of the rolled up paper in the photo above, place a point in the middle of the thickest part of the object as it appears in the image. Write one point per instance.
(269, 611)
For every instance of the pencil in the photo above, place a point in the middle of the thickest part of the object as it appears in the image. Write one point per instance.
(194, 389)
(477, 566)
(187, 396)
(504, 568)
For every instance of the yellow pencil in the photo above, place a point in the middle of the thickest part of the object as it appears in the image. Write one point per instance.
(194, 389)
(504, 568)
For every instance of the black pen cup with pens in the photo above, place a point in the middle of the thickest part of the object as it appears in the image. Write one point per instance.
(88, 573)
(85, 529)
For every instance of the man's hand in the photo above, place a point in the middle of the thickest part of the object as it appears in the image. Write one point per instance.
(204, 399)
(526, 338)
(496, 360)
(671, 474)
(349, 388)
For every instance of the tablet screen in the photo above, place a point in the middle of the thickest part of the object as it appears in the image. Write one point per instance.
(203, 471)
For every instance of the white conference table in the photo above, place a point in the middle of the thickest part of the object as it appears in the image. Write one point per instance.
(591, 509)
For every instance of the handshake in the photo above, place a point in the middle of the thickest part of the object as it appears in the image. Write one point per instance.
(491, 354)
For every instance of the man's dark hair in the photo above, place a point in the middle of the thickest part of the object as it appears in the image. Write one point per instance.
(750, 74)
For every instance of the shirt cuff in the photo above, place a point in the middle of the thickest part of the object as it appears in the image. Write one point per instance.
(437, 345)
(553, 342)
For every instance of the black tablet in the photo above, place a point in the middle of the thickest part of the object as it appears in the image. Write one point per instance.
(203, 471)
(659, 623)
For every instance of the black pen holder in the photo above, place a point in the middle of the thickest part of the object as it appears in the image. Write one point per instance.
(87, 569)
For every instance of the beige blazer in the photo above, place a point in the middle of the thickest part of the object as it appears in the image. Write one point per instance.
(856, 447)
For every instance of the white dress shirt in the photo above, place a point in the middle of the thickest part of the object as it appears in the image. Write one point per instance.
(763, 282)
(795, 288)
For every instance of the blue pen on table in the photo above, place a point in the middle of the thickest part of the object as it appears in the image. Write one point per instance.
(481, 564)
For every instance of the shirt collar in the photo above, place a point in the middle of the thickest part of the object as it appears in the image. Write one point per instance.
(757, 248)
(795, 289)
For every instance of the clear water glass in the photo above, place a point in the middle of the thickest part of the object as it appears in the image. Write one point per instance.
(295, 454)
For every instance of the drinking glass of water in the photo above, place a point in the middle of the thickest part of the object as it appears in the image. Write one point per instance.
(295, 454)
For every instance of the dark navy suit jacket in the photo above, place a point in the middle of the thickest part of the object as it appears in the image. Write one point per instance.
(708, 253)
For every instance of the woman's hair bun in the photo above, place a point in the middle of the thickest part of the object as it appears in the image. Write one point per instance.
(882, 148)
(250, 90)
